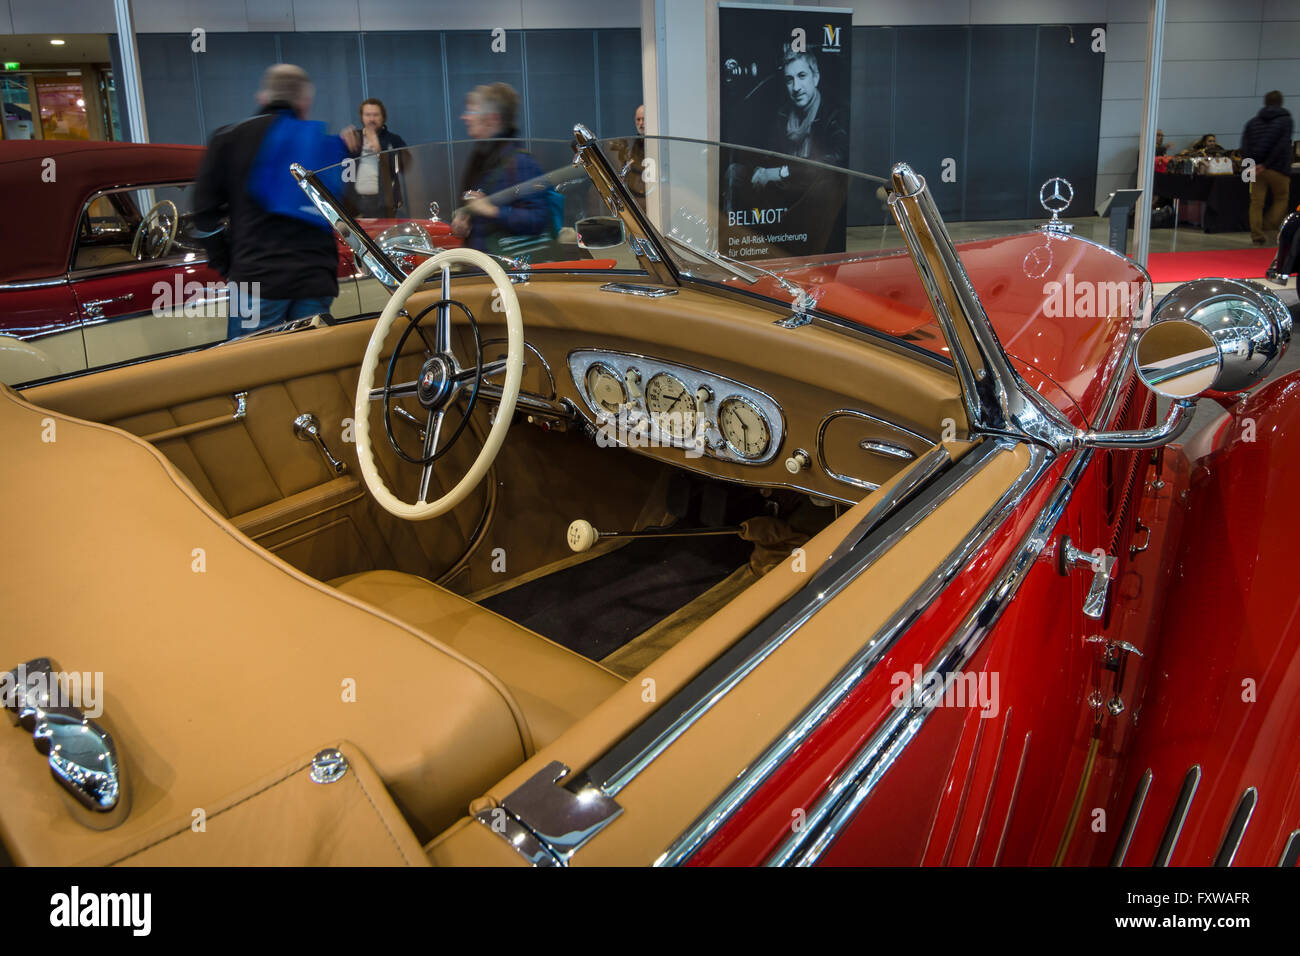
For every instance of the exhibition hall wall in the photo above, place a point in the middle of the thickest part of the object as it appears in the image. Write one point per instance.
(1012, 105)
(422, 77)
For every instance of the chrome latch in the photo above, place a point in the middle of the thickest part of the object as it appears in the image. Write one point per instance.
(1114, 659)
(83, 758)
(1094, 605)
(545, 822)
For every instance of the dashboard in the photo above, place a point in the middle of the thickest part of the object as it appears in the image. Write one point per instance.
(639, 401)
(738, 430)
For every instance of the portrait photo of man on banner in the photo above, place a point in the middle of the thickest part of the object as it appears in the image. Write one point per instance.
(784, 93)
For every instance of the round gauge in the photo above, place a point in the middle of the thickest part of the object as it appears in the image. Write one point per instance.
(671, 406)
(605, 388)
(744, 428)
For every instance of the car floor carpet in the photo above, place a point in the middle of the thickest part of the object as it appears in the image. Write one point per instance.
(596, 607)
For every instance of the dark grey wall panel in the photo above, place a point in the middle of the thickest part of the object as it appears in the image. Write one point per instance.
(618, 69)
(405, 71)
(930, 106)
(871, 120)
(471, 63)
(1067, 113)
(562, 83)
(230, 73)
(995, 176)
(167, 75)
(334, 62)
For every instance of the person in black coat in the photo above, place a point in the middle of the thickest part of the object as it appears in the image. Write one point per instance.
(1267, 140)
(278, 252)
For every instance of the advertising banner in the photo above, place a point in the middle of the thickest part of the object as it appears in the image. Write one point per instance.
(785, 90)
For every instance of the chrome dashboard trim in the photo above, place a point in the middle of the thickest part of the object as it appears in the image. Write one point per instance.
(618, 766)
(720, 387)
(645, 291)
(848, 479)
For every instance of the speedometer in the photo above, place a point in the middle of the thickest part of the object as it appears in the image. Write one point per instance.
(671, 406)
(605, 388)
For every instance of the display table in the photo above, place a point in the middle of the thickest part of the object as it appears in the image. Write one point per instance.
(1226, 197)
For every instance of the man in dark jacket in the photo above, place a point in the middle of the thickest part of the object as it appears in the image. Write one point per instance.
(377, 191)
(1267, 140)
(277, 251)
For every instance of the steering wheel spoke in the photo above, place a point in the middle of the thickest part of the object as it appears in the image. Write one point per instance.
(432, 431)
(405, 390)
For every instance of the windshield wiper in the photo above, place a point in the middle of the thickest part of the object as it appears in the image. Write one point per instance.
(801, 300)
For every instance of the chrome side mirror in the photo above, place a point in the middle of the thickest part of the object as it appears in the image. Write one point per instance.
(600, 232)
(1206, 335)
(1223, 335)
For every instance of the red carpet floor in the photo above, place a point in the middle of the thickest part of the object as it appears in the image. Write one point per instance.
(1217, 263)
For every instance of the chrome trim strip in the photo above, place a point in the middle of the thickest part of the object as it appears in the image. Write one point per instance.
(1178, 817)
(1237, 828)
(1290, 852)
(1131, 819)
(675, 716)
(854, 784)
(34, 284)
(762, 767)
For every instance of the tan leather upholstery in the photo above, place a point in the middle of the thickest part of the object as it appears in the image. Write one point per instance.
(220, 662)
(554, 686)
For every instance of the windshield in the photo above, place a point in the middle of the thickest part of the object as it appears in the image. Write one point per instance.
(802, 233)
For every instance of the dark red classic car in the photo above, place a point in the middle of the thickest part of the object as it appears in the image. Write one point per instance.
(102, 225)
(709, 550)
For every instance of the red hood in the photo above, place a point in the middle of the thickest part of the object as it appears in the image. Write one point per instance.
(1078, 350)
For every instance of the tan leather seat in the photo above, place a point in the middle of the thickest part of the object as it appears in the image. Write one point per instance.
(220, 662)
(553, 685)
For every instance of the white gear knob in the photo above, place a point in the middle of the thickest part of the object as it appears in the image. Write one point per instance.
(582, 535)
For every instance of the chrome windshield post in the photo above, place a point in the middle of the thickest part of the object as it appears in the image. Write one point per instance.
(366, 250)
(642, 238)
(997, 400)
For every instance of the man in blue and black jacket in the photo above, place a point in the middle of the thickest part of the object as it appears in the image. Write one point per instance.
(277, 251)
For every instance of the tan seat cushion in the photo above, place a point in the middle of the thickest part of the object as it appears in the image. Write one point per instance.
(554, 686)
(220, 662)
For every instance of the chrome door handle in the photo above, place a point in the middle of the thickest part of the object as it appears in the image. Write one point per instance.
(1133, 549)
(1094, 605)
(307, 428)
(95, 307)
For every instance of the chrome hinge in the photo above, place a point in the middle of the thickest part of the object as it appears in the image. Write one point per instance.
(545, 822)
(82, 756)
(1094, 605)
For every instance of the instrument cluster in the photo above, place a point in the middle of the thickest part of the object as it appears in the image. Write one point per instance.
(639, 402)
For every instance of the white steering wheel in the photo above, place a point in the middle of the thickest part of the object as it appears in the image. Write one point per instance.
(156, 234)
(441, 380)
